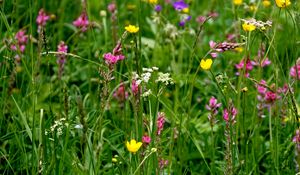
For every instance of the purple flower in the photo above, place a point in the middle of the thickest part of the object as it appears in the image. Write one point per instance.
(180, 5)
(158, 8)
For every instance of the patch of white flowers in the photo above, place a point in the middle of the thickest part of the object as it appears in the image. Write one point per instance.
(58, 126)
(164, 78)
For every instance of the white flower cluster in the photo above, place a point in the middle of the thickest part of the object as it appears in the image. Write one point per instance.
(145, 76)
(58, 126)
(164, 78)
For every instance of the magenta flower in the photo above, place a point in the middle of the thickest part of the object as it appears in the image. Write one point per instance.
(62, 48)
(134, 87)
(146, 139)
(230, 114)
(82, 22)
(42, 18)
(295, 71)
(158, 8)
(113, 58)
(160, 122)
(241, 65)
(121, 95)
(213, 107)
(111, 7)
(21, 39)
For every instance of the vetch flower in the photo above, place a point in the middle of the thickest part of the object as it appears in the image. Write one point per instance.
(248, 27)
(133, 146)
(42, 19)
(206, 64)
(132, 29)
(283, 3)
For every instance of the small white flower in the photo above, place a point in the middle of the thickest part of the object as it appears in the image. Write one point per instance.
(155, 68)
(78, 126)
(164, 78)
(147, 93)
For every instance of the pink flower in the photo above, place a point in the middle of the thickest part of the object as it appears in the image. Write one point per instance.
(61, 48)
(240, 66)
(134, 87)
(121, 94)
(163, 163)
(21, 41)
(200, 19)
(82, 22)
(262, 89)
(146, 139)
(42, 18)
(111, 7)
(229, 115)
(271, 97)
(113, 58)
(160, 122)
(295, 71)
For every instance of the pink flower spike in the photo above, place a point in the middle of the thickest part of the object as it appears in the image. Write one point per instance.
(42, 18)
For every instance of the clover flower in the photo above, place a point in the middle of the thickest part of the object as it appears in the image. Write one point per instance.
(133, 146)
(132, 29)
(82, 22)
(206, 64)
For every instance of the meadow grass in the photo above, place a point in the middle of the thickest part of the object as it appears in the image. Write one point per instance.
(192, 87)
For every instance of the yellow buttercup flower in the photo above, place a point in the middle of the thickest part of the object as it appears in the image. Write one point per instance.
(152, 1)
(185, 10)
(252, 8)
(248, 27)
(133, 146)
(206, 64)
(132, 29)
(266, 3)
(283, 3)
(237, 2)
(239, 49)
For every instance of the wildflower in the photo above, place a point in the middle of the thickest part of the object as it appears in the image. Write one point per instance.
(185, 18)
(160, 122)
(295, 70)
(146, 139)
(237, 2)
(158, 8)
(112, 7)
(163, 163)
(206, 64)
(113, 58)
(62, 48)
(283, 3)
(185, 10)
(152, 1)
(213, 107)
(248, 27)
(21, 38)
(120, 94)
(82, 22)
(241, 66)
(134, 87)
(261, 60)
(180, 5)
(266, 3)
(132, 29)
(42, 19)
(133, 146)
(230, 114)
(164, 78)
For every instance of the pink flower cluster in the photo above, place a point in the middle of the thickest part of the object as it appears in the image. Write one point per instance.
(230, 114)
(82, 22)
(241, 66)
(42, 19)
(295, 70)
(21, 39)
(160, 122)
(213, 107)
(266, 96)
(120, 94)
(134, 87)
(296, 139)
(113, 58)
(221, 47)
(62, 48)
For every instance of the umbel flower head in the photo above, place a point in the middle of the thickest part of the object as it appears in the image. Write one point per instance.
(206, 64)
(133, 146)
(132, 29)
(282, 3)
